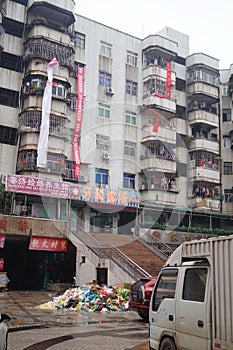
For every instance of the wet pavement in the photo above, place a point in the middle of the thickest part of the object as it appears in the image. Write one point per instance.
(32, 328)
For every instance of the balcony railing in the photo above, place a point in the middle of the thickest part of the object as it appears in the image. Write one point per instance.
(47, 49)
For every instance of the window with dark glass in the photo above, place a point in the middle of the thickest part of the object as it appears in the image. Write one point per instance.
(8, 135)
(165, 287)
(13, 27)
(105, 79)
(12, 62)
(227, 168)
(226, 115)
(128, 180)
(9, 98)
(195, 284)
(101, 176)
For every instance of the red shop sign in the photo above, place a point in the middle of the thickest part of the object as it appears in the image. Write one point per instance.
(48, 243)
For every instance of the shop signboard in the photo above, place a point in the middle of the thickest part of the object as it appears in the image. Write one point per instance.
(53, 244)
(60, 189)
(37, 186)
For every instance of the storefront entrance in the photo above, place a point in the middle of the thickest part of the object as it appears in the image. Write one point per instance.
(32, 269)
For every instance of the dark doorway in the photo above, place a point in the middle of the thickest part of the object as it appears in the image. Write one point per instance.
(102, 275)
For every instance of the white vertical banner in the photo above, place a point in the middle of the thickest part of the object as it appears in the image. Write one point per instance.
(46, 109)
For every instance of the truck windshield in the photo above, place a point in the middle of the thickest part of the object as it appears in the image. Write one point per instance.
(165, 287)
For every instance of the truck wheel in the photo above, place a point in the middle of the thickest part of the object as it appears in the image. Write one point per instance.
(167, 344)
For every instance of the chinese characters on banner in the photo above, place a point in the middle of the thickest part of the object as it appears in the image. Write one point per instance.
(78, 121)
(168, 82)
(48, 243)
(60, 189)
(2, 240)
(104, 195)
(37, 186)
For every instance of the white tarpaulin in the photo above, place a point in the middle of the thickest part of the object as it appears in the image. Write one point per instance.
(46, 108)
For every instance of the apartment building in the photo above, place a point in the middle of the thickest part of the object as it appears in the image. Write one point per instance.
(139, 130)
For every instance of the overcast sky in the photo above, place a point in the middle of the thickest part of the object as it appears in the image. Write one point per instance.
(208, 23)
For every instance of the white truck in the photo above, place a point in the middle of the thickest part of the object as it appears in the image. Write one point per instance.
(191, 306)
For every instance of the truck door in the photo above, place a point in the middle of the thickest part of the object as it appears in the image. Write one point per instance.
(193, 310)
(163, 307)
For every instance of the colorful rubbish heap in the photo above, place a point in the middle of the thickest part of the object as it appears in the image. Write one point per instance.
(91, 298)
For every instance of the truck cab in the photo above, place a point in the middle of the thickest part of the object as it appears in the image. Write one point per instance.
(180, 308)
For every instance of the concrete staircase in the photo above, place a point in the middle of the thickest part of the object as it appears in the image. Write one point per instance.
(134, 250)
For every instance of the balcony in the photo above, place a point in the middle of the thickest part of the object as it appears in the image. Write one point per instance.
(48, 49)
(202, 173)
(56, 11)
(162, 197)
(44, 31)
(164, 103)
(203, 116)
(203, 89)
(206, 144)
(158, 163)
(156, 70)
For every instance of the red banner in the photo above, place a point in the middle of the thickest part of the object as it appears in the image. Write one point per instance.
(168, 82)
(78, 121)
(2, 240)
(48, 243)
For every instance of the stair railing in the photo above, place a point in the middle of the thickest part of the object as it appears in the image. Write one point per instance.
(108, 251)
(157, 244)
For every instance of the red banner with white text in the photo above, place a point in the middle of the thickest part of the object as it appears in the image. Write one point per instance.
(48, 243)
(168, 82)
(78, 121)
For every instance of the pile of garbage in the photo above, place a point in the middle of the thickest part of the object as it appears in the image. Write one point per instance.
(90, 298)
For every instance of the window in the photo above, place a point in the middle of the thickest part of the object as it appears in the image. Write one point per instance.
(131, 88)
(128, 180)
(54, 162)
(227, 168)
(226, 115)
(101, 176)
(225, 90)
(130, 148)
(195, 284)
(132, 58)
(105, 79)
(10, 61)
(103, 142)
(8, 135)
(226, 142)
(130, 118)
(103, 110)
(79, 40)
(228, 195)
(165, 288)
(58, 90)
(9, 98)
(105, 49)
(13, 27)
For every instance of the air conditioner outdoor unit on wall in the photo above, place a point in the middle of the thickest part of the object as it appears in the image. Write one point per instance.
(106, 155)
(109, 91)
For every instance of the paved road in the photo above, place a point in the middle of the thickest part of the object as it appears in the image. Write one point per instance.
(32, 328)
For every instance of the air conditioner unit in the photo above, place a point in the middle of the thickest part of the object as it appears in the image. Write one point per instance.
(109, 91)
(106, 155)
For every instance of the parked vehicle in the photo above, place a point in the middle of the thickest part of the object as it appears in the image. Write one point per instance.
(140, 295)
(4, 331)
(192, 305)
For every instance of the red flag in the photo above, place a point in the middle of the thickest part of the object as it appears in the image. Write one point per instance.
(156, 124)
